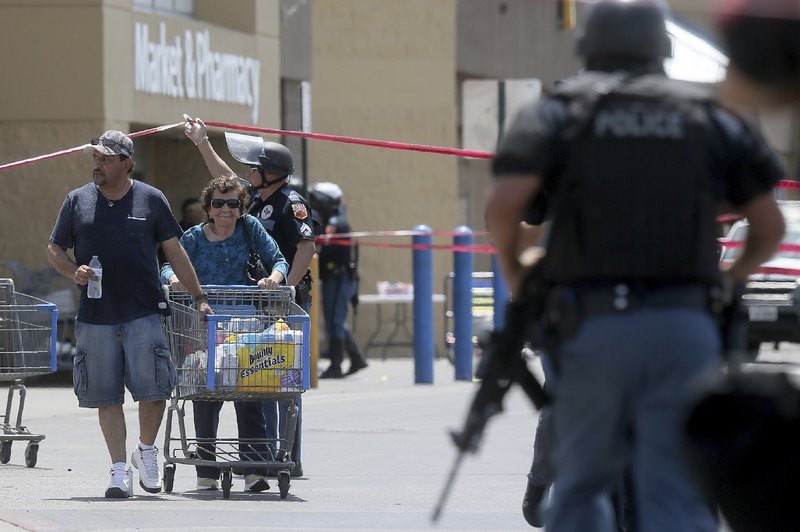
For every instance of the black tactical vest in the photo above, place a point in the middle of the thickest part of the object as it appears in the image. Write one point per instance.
(635, 201)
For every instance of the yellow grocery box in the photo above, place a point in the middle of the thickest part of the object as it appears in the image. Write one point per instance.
(266, 365)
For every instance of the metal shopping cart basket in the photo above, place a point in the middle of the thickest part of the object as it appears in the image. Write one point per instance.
(254, 348)
(27, 349)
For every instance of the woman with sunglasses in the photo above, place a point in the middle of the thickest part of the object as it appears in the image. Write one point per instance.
(218, 250)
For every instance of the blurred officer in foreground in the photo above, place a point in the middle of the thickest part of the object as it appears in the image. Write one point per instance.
(635, 165)
(745, 429)
(762, 41)
(285, 214)
(338, 271)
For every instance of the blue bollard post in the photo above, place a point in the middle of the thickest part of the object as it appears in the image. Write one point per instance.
(423, 306)
(500, 295)
(462, 304)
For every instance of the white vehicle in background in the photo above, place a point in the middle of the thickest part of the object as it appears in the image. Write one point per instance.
(771, 301)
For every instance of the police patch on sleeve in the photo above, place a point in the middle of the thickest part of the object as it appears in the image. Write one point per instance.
(306, 231)
(300, 211)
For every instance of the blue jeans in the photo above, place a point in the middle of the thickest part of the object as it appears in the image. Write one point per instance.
(337, 291)
(133, 354)
(275, 413)
(250, 421)
(619, 402)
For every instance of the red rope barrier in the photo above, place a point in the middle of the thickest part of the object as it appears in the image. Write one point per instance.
(362, 234)
(76, 149)
(356, 140)
(464, 249)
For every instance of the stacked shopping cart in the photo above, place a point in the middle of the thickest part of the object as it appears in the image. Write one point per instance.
(27, 349)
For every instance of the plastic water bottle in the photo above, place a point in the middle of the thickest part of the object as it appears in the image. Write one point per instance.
(95, 288)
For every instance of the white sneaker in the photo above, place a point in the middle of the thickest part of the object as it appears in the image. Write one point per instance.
(121, 484)
(207, 483)
(255, 483)
(147, 464)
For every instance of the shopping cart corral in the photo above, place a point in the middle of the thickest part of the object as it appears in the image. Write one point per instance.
(254, 348)
(27, 349)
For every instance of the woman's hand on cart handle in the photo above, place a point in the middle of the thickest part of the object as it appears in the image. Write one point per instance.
(267, 283)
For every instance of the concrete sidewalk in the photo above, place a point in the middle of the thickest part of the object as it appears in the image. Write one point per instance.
(376, 455)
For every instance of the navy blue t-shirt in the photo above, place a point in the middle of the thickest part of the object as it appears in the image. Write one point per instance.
(741, 162)
(124, 235)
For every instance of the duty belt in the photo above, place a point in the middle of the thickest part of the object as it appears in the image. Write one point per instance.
(622, 297)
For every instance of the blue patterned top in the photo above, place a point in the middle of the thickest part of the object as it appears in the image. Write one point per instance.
(224, 262)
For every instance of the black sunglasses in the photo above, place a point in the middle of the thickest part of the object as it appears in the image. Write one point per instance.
(231, 203)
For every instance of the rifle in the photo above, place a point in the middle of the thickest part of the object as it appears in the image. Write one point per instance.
(502, 366)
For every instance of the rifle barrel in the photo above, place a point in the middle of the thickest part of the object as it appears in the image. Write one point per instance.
(437, 512)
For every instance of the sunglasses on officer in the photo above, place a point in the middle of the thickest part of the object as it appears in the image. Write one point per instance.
(231, 203)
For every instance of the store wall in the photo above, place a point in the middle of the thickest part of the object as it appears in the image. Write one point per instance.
(69, 74)
(387, 73)
(51, 56)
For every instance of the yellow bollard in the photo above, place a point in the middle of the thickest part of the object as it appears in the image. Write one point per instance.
(314, 325)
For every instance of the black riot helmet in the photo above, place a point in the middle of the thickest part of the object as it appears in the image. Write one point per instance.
(325, 197)
(270, 157)
(276, 159)
(632, 29)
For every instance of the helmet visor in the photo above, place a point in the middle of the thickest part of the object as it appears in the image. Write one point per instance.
(245, 148)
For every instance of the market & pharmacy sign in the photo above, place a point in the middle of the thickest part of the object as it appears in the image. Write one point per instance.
(189, 68)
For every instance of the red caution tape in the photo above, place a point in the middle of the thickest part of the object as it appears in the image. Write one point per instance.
(355, 140)
(76, 149)
(363, 234)
(728, 218)
(479, 248)
(773, 270)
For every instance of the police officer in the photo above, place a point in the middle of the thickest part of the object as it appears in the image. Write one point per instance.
(339, 275)
(285, 214)
(635, 166)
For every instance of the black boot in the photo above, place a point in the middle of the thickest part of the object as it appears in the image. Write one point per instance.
(532, 504)
(357, 362)
(335, 353)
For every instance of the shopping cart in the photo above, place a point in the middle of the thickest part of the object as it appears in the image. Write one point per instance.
(27, 349)
(254, 348)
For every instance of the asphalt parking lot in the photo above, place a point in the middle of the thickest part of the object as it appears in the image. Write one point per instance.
(376, 455)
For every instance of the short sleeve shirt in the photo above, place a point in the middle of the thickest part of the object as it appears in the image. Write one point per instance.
(224, 262)
(286, 216)
(124, 235)
(741, 163)
(333, 255)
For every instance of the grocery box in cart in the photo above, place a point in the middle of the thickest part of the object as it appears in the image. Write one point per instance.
(270, 361)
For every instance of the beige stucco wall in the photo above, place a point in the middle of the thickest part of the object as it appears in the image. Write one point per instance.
(68, 75)
(47, 55)
(387, 73)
